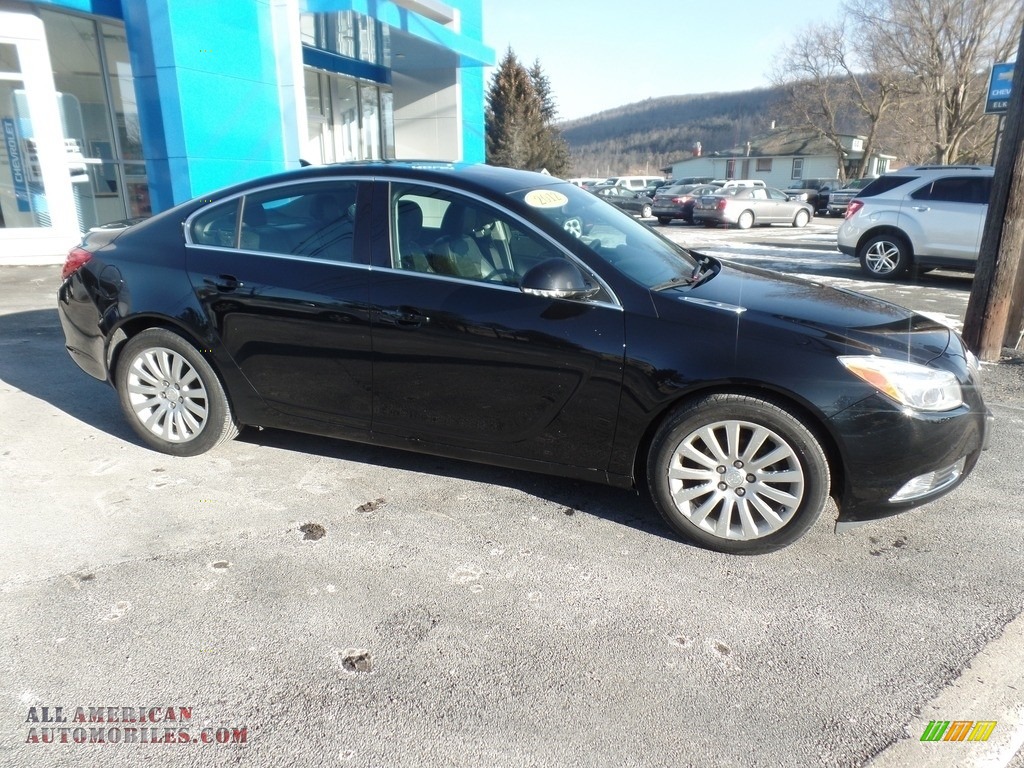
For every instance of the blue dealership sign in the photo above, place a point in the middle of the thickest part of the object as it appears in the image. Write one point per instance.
(17, 164)
(999, 84)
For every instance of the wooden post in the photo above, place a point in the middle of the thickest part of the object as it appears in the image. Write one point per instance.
(995, 297)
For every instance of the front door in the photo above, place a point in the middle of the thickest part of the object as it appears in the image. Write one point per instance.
(462, 357)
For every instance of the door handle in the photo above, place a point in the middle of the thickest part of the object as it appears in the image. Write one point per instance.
(921, 208)
(404, 317)
(225, 283)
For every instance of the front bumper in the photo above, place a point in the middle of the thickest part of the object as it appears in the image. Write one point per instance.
(897, 458)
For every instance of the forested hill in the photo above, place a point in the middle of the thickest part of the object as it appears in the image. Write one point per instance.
(648, 135)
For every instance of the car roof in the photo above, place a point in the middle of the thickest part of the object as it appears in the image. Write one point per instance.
(939, 169)
(483, 177)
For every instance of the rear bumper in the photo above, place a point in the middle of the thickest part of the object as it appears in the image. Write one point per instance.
(80, 321)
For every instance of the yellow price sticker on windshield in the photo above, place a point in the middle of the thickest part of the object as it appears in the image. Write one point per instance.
(545, 198)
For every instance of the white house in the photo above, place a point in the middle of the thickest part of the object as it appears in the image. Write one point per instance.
(782, 156)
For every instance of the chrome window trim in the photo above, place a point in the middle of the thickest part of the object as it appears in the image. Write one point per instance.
(187, 223)
(292, 256)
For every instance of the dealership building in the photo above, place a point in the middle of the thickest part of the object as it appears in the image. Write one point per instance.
(121, 108)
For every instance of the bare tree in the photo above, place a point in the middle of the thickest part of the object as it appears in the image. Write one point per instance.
(832, 86)
(811, 75)
(939, 50)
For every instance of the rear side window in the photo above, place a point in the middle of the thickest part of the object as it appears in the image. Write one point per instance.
(956, 189)
(884, 184)
(216, 226)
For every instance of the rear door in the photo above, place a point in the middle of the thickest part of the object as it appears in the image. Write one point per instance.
(462, 357)
(283, 276)
(949, 214)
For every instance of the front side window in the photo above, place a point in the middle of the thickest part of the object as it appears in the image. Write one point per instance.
(443, 233)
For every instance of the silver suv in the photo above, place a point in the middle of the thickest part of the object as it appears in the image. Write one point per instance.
(921, 218)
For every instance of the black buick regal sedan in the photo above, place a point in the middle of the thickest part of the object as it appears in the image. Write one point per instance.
(510, 318)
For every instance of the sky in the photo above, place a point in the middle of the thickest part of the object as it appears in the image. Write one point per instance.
(600, 54)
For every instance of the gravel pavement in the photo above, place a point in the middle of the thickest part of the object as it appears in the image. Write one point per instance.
(336, 604)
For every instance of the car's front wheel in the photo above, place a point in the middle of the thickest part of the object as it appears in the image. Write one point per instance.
(737, 474)
(645, 212)
(801, 219)
(171, 395)
(885, 256)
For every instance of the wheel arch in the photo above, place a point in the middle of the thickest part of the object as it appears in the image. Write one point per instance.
(133, 326)
(814, 421)
(893, 231)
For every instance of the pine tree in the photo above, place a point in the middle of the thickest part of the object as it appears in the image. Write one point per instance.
(519, 116)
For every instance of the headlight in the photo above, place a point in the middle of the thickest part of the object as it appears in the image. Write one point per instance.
(920, 387)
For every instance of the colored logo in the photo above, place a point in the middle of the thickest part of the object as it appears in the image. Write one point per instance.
(958, 730)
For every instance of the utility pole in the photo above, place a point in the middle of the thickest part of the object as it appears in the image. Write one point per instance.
(994, 311)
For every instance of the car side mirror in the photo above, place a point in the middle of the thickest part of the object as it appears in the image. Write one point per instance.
(557, 279)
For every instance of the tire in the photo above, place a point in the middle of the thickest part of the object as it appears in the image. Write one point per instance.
(885, 257)
(801, 219)
(711, 478)
(745, 220)
(156, 363)
(664, 221)
(645, 212)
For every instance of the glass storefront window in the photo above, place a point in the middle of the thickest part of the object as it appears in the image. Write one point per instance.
(369, 98)
(346, 119)
(92, 73)
(22, 194)
(345, 33)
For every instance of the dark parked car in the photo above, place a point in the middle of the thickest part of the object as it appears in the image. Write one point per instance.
(676, 202)
(627, 200)
(814, 192)
(506, 317)
(839, 200)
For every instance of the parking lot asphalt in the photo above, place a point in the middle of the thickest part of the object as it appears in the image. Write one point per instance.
(338, 604)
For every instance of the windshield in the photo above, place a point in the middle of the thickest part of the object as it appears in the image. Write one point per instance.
(615, 236)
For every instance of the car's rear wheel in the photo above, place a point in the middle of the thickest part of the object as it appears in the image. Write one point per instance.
(645, 212)
(664, 221)
(171, 395)
(801, 219)
(885, 256)
(737, 474)
(745, 220)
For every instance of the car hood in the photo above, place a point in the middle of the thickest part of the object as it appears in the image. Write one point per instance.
(847, 320)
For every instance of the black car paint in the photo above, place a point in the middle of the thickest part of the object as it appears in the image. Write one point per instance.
(606, 377)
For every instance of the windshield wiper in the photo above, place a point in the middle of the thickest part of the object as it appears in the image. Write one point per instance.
(696, 277)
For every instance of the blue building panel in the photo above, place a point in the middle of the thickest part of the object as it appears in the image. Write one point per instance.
(217, 101)
(214, 81)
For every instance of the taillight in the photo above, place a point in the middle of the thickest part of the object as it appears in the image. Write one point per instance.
(681, 200)
(76, 258)
(721, 204)
(854, 206)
